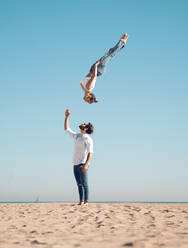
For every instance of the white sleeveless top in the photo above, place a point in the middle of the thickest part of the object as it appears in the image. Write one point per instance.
(86, 80)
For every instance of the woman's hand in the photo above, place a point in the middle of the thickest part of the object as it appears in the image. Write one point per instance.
(97, 63)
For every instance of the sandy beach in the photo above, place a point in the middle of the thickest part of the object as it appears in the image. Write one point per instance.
(98, 225)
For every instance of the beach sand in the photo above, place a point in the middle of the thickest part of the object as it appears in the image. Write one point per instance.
(98, 225)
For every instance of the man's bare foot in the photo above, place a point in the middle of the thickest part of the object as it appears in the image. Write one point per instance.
(86, 203)
(81, 203)
(124, 38)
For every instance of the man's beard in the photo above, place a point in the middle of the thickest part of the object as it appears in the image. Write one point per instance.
(82, 127)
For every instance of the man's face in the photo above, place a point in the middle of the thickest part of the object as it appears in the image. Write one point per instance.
(83, 127)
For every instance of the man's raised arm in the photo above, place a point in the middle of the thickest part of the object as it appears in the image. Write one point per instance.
(66, 123)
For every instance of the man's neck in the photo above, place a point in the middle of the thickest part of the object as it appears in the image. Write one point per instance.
(82, 133)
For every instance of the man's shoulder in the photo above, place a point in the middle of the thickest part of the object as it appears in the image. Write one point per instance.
(88, 138)
(71, 132)
(77, 135)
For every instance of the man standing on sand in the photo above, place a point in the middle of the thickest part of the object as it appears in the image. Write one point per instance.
(83, 152)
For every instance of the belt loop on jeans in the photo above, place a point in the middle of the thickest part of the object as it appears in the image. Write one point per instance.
(78, 165)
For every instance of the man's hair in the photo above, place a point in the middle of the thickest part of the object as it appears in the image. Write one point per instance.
(93, 98)
(90, 128)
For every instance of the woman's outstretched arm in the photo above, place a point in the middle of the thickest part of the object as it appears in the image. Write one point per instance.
(91, 82)
(95, 67)
(84, 88)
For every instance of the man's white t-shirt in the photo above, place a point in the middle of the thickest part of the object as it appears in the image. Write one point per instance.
(86, 80)
(83, 144)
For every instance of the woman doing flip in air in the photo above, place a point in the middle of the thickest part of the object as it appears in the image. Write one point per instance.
(97, 69)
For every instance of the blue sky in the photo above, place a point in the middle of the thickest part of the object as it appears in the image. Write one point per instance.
(141, 121)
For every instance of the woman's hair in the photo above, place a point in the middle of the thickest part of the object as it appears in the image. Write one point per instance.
(90, 128)
(93, 98)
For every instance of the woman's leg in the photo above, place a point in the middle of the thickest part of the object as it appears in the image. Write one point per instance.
(112, 52)
(78, 181)
(107, 57)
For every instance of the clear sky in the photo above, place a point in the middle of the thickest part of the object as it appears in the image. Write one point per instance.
(141, 120)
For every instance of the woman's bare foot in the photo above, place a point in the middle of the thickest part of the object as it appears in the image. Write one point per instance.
(81, 203)
(86, 203)
(124, 38)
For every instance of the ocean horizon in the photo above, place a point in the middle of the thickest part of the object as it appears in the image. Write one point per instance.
(35, 202)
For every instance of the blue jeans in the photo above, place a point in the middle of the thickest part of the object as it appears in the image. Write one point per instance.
(107, 57)
(82, 182)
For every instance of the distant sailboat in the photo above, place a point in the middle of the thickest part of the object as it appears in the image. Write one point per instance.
(37, 199)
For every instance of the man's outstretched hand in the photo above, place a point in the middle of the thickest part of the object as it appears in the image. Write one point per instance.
(67, 113)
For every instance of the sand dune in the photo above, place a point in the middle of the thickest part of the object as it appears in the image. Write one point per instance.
(99, 225)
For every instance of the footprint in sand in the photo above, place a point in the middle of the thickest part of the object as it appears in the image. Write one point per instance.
(137, 209)
(99, 224)
(185, 212)
(170, 216)
(77, 245)
(152, 225)
(165, 211)
(36, 242)
(129, 244)
(46, 233)
(101, 211)
(168, 223)
(107, 216)
(146, 213)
